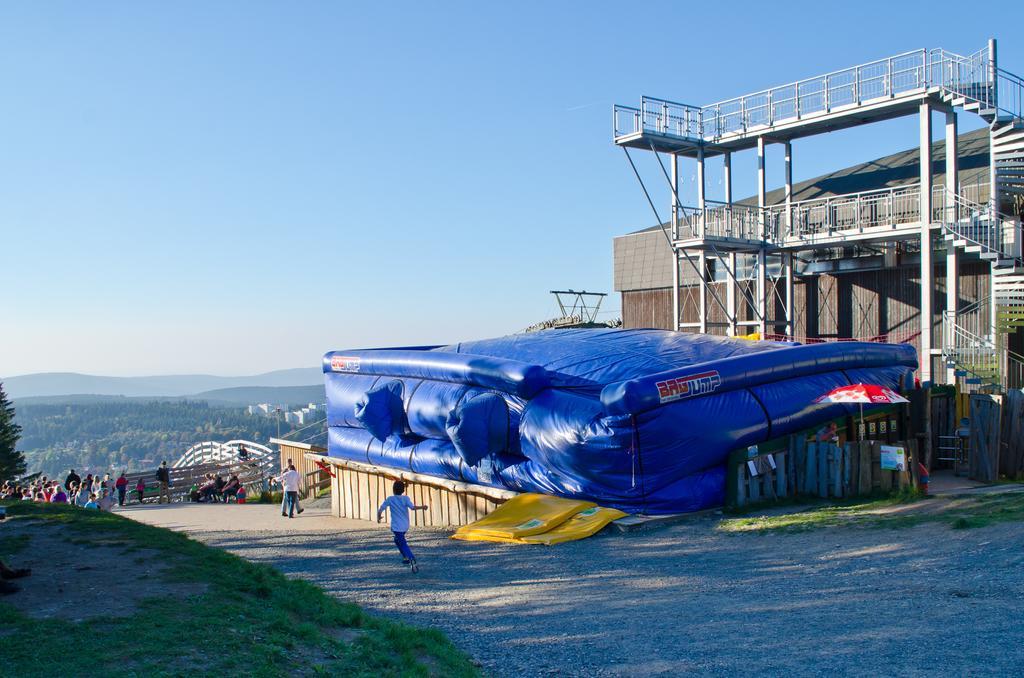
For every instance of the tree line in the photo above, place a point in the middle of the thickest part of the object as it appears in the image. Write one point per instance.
(12, 461)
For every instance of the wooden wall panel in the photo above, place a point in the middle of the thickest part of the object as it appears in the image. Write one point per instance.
(358, 492)
(647, 308)
(850, 305)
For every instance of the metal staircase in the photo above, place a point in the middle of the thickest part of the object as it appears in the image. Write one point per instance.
(1008, 155)
(979, 361)
(975, 339)
(986, 227)
(980, 357)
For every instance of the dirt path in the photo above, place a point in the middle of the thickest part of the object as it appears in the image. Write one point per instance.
(679, 598)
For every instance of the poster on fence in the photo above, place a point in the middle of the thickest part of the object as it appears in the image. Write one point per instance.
(893, 458)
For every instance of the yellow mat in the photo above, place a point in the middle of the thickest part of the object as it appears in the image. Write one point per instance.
(582, 525)
(522, 516)
(539, 519)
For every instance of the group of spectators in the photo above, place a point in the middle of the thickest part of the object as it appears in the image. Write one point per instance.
(215, 488)
(91, 492)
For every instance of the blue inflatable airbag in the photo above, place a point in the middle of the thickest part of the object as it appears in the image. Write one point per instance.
(479, 426)
(640, 420)
(380, 410)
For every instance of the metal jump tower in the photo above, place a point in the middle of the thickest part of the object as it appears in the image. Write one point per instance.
(770, 236)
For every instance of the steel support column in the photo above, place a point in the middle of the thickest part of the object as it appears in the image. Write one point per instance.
(787, 258)
(927, 271)
(993, 79)
(952, 263)
(675, 235)
(732, 287)
(762, 325)
(993, 184)
(702, 259)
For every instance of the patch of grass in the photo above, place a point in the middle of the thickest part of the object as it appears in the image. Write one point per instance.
(250, 615)
(989, 509)
(11, 544)
(964, 512)
(266, 497)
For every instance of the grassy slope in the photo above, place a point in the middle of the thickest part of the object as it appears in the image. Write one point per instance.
(250, 620)
(961, 513)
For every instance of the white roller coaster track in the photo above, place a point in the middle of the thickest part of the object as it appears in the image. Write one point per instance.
(212, 452)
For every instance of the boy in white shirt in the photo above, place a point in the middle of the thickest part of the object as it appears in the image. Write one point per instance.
(399, 506)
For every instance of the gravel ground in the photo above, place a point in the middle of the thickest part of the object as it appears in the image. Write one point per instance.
(680, 598)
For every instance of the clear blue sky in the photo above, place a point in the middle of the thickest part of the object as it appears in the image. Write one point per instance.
(234, 187)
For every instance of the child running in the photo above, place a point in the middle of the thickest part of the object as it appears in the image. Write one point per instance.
(399, 505)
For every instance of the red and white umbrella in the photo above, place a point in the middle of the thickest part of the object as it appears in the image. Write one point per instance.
(863, 394)
(866, 394)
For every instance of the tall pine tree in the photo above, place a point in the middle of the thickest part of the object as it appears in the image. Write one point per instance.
(12, 462)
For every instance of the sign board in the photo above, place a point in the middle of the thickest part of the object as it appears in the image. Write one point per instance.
(484, 470)
(761, 465)
(893, 458)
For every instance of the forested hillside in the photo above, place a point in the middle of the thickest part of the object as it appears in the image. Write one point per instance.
(111, 436)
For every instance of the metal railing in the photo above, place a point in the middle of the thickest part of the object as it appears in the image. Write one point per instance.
(974, 223)
(1009, 94)
(853, 211)
(979, 225)
(721, 220)
(974, 77)
(821, 94)
(979, 355)
(975, 318)
(969, 352)
(969, 76)
(625, 121)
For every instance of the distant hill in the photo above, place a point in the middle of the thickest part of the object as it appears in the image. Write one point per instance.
(174, 385)
(247, 395)
(223, 397)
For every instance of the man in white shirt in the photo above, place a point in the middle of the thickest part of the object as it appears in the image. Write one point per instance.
(290, 484)
(284, 497)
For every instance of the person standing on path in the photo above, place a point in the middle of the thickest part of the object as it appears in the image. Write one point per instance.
(163, 476)
(399, 506)
(122, 488)
(140, 488)
(290, 484)
(284, 496)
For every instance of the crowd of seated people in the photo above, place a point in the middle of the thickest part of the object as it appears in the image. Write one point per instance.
(90, 492)
(215, 489)
(41, 490)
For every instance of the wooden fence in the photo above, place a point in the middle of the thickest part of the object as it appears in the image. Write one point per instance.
(818, 470)
(183, 478)
(314, 478)
(1011, 448)
(358, 489)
